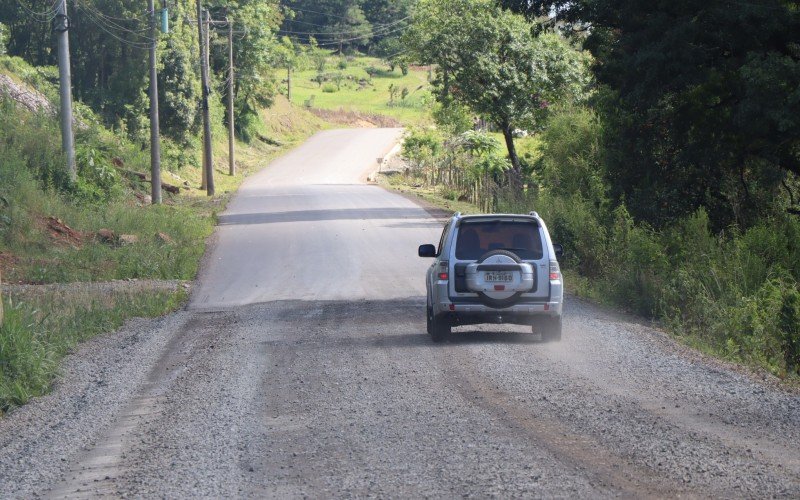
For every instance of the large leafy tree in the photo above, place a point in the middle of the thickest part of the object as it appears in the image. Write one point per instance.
(701, 101)
(492, 61)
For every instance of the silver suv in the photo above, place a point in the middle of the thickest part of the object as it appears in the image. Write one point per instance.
(499, 268)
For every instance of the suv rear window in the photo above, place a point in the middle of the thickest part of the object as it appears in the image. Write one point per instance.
(477, 238)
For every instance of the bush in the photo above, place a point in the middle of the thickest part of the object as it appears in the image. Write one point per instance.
(789, 323)
(97, 180)
(572, 159)
(453, 118)
(329, 88)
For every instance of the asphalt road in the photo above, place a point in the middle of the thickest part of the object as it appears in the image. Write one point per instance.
(301, 368)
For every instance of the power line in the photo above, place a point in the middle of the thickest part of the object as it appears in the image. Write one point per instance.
(43, 17)
(374, 26)
(100, 24)
(109, 23)
(337, 42)
(373, 29)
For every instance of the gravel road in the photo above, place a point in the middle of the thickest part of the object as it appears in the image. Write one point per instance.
(301, 368)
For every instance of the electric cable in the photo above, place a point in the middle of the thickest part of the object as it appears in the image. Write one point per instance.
(100, 24)
(42, 17)
(328, 33)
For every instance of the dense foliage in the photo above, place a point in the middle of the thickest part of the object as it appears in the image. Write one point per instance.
(348, 24)
(109, 42)
(701, 102)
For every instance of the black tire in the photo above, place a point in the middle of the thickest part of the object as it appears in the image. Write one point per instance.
(550, 328)
(438, 328)
(499, 303)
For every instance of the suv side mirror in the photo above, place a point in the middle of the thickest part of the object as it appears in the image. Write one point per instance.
(427, 251)
(558, 249)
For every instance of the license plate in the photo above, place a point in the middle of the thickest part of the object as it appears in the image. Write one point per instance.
(498, 277)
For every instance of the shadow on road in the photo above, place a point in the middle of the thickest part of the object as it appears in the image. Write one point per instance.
(325, 215)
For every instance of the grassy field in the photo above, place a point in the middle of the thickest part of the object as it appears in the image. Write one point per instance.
(40, 330)
(356, 90)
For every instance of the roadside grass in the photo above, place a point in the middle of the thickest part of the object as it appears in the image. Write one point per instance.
(415, 187)
(357, 91)
(51, 229)
(39, 331)
(169, 238)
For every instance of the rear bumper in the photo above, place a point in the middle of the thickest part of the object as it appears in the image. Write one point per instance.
(520, 314)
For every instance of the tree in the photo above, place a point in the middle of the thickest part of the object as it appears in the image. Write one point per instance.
(336, 24)
(290, 56)
(701, 102)
(256, 52)
(492, 61)
(350, 28)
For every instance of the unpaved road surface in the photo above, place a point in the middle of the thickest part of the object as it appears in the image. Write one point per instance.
(301, 369)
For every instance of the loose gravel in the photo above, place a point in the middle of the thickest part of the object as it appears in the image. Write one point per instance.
(344, 399)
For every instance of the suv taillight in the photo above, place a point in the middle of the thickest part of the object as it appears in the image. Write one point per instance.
(555, 270)
(442, 274)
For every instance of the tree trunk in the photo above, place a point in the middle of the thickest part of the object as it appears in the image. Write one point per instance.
(515, 175)
(289, 84)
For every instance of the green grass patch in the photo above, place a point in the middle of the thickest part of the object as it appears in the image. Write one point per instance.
(38, 332)
(406, 98)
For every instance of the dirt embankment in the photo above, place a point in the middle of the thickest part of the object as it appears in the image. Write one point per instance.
(32, 99)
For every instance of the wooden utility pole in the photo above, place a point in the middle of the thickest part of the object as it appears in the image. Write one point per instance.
(231, 146)
(207, 152)
(155, 141)
(61, 28)
(289, 84)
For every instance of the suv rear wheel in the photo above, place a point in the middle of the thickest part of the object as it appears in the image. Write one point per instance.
(550, 328)
(438, 328)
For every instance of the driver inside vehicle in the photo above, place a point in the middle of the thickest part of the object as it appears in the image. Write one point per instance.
(469, 242)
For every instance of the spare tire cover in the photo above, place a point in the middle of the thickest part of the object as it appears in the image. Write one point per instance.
(499, 298)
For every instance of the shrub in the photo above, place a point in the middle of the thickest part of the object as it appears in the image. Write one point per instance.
(329, 88)
(789, 324)
(572, 159)
(97, 180)
(452, 117)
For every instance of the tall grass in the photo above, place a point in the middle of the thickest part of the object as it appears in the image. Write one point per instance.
(34, 186)
(734, 293)
(38, 332)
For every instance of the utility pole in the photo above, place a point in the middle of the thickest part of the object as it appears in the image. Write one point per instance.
(231, 146)
(61, 28)
(208, 167)
(207, 21)
(289, 83)
(155, 144)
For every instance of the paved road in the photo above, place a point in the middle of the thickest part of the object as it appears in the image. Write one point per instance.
(301, 369)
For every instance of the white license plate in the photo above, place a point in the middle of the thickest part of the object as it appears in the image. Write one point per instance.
(495, 277)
